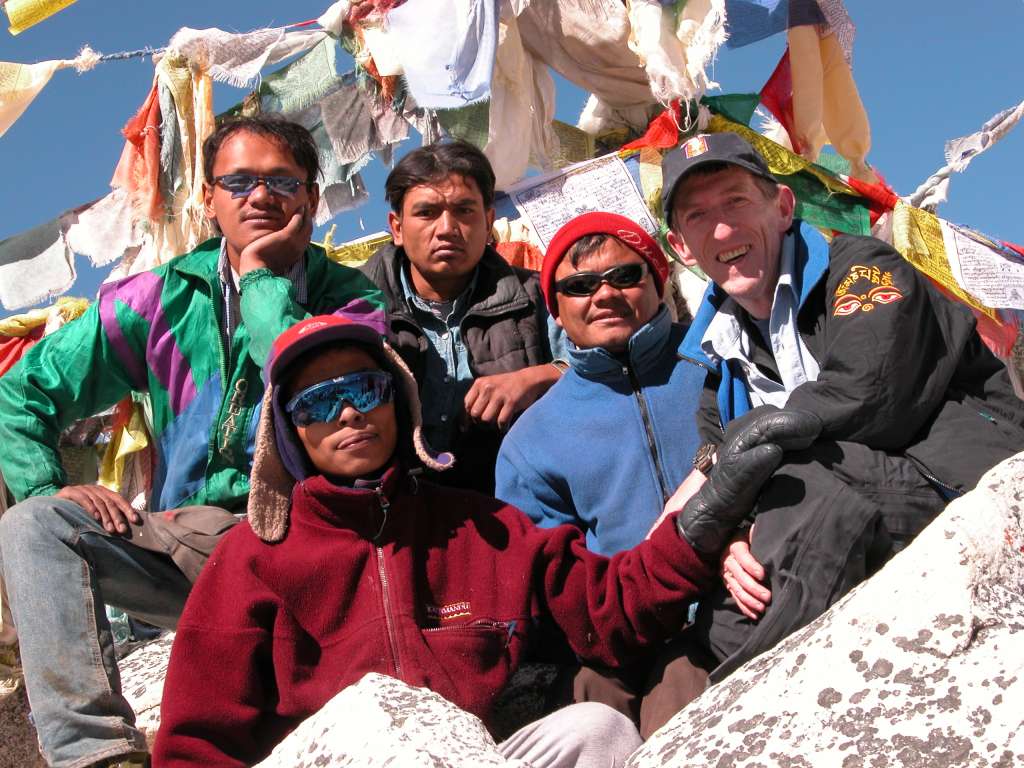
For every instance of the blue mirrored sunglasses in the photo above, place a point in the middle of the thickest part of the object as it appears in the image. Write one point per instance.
(242, 184)
(323, 402)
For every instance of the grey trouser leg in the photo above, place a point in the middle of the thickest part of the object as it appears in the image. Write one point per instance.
(587, 735)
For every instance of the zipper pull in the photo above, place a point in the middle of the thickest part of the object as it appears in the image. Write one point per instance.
(385, 506)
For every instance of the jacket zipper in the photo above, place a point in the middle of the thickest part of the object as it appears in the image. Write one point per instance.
(649, 430)
(481, 623)
(214, 441)
(389, 620)
(705, 366)
(935, 481)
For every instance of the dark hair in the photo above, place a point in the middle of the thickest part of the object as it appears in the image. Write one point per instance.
(586, 246)
(433, 163)
(288, 134)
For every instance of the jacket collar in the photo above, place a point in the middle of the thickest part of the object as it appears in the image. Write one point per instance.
(362, 506)
(809, 268)
(646, 349)
(497, 290)
(203, 262)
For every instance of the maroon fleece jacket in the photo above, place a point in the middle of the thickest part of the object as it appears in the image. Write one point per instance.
(446, 596)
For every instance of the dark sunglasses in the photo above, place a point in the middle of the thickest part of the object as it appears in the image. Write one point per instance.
(587, 283)
(242, 184)
(323, 402)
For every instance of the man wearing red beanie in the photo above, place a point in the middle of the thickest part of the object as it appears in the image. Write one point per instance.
(623, 421)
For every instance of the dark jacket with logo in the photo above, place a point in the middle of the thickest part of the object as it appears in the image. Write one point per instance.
(501, 331)
(903, 369)
(447, 596)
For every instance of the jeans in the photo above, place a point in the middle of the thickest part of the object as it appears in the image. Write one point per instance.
(60, 567)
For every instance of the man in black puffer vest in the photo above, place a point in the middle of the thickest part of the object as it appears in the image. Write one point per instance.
(474, 330)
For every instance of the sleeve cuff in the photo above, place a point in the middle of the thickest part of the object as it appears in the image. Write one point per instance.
(253, 276)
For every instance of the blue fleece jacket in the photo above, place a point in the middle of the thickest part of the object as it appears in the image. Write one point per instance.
(609, 442)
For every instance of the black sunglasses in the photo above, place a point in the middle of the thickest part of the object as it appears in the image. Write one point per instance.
(587, 283)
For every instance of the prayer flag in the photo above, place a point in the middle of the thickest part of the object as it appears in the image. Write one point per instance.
(19, 85)
(23, 14)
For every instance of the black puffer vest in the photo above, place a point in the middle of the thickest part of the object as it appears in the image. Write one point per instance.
(500, 327)
(501, 330)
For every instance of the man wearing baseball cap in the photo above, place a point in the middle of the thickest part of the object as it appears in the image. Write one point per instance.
(609, 443)
(845, 330)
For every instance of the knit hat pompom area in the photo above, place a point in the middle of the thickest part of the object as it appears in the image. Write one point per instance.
(626, 230)
(280, 460)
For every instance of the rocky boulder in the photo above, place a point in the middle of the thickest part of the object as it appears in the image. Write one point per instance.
(922, 665)
(381, 721)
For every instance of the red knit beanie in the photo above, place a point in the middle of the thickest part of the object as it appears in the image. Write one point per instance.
(599, 223)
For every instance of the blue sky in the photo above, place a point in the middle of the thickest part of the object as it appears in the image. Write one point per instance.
(927, 72)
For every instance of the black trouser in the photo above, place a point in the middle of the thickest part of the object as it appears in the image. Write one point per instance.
(829, 517)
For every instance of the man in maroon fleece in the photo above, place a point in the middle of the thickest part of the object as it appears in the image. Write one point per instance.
(350, 564)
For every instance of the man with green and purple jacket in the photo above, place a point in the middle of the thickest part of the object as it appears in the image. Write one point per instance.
(193, 335)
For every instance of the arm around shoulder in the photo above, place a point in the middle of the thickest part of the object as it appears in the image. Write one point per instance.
(609, 608)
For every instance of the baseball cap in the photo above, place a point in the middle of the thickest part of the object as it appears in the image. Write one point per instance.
(312, 332)
(704, 148)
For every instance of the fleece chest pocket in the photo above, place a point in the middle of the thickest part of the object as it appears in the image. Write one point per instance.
(479, 644)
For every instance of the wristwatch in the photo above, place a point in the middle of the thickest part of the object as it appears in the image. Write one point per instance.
(705, 457)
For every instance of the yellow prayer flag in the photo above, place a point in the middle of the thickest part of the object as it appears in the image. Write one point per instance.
(68, 307)
(781, 161)
(917, 235)
(574, 145)
(23, 14)
(355, 252)
(19, 85)
(129, 440)
(651, 179)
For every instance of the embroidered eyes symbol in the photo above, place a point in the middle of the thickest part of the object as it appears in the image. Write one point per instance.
(846, 305)
(885, 295)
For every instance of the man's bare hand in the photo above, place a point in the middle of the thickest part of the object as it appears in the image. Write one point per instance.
(744, 576)
(498, 399)
(106, 507)
(279, 251)
(686, 489)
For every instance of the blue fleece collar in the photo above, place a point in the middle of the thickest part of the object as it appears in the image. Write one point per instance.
(810, 266)
(645, 350)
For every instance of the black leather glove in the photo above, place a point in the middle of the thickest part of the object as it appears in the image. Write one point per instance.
(751, 452)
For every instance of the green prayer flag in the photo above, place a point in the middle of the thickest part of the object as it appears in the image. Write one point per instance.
(738, 107)
(470, 123)
(817, 205)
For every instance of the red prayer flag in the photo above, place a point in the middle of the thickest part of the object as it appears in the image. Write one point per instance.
(777, 97)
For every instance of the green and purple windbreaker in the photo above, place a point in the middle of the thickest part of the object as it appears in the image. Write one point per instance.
(159, 332)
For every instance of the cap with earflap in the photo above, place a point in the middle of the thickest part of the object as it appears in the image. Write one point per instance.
(724, 147)
(600, 223)
(280, 460)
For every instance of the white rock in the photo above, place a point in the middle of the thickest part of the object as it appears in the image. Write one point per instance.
(142, 682)
(922, 665)
(381, 721)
